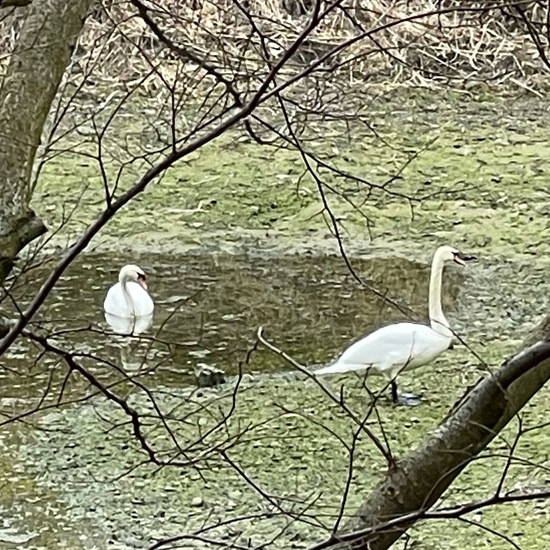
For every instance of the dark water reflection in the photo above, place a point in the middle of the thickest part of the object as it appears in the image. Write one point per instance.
(208, 309)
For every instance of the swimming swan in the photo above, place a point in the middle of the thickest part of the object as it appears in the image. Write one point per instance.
(402, 346)
(129, 297)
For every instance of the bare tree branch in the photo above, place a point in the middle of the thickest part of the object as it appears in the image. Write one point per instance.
(14, 3)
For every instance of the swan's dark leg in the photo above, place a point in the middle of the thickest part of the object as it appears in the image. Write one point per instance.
(409, 399)
(394, 394)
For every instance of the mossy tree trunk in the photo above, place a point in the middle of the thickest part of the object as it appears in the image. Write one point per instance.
(417, 481)
(43, 50)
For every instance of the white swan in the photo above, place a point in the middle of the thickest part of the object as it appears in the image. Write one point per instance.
(392, 349)
(129, 297)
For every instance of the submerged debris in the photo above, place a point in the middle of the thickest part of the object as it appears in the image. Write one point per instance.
(207, 376)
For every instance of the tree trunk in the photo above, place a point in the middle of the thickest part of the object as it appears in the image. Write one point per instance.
(421, 478)
(42, 52)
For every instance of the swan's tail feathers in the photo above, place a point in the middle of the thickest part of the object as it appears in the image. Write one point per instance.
(338, 368)
(330, 369)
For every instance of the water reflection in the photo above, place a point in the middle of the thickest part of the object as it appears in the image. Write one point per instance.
(209, 307)
(133, 354)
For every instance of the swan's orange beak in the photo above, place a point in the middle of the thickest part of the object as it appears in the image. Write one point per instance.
(461, 258)
(141, 281)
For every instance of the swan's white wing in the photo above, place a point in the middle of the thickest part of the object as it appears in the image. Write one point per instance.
(116, 304)
(143, 303)
(390, 349)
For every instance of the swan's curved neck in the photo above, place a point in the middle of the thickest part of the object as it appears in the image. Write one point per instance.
(438, 322)
(128, 298)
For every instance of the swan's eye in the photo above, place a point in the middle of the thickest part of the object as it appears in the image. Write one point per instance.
(141, 276)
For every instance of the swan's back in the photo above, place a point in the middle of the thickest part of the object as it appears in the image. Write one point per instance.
(392, 349)
(140, 303)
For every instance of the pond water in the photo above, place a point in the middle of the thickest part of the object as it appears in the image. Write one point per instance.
(208, 309)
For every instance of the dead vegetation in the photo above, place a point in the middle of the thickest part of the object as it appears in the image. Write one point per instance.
(417, 42)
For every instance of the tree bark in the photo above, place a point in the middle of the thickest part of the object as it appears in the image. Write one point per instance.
(421, 478)
(14, 3)
(43, 50)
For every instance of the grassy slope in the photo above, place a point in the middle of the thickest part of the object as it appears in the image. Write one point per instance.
(481, 184)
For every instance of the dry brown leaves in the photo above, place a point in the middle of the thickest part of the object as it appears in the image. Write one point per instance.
(391, 40)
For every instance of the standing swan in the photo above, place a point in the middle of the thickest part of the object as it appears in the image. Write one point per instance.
(129, 297)
(402, 346)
